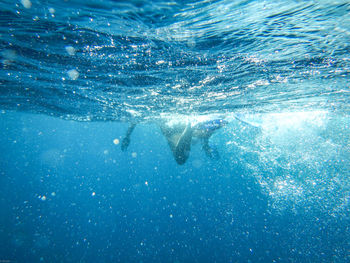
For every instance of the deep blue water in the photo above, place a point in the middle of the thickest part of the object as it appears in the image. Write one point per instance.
(75, 74)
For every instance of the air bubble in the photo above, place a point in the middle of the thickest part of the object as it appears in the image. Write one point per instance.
(70, 50)
(73, 74)
(26, 3)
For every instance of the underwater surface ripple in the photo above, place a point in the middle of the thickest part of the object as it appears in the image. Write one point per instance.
(117, 60)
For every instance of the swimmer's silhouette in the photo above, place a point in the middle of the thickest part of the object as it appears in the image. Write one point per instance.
(179, 137)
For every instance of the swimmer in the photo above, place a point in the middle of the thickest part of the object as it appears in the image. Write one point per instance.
(179, 137)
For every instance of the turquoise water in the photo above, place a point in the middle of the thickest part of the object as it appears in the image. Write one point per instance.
(75, 74)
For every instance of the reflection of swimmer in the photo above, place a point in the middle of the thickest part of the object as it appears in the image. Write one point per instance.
(180, 135)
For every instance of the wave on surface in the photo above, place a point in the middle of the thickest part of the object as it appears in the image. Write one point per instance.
(121, 60)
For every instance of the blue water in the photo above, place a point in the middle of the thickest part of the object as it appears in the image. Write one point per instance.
(75, 74)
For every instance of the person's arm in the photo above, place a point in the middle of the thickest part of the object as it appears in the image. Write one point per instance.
(126, 140)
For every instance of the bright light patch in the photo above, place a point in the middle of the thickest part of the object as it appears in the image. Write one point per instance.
(160, 62)
(116, 141)
(294, 119)
(176, 119)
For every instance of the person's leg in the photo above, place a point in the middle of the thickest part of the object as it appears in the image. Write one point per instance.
(179, 138)
(183, 146)
(209, 152)
(172, 134)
